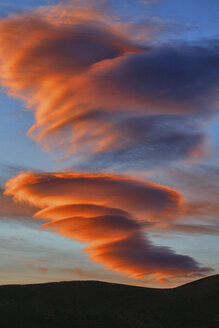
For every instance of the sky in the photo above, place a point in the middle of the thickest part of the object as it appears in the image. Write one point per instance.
(109, 139)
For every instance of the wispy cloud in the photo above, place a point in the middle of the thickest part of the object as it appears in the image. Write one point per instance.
(92, 87)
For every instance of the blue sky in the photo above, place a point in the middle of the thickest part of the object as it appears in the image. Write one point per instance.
(137, 97)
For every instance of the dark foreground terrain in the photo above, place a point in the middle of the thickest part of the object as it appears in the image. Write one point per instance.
(102, 305)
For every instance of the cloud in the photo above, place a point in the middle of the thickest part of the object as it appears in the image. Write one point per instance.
(95, 229)
(162, 280)
(92, 87)
(147, 141)
(137, 257)
(12, 210)
(86, 210)
(98, 94)
(186, 228)
(168, 78)
(111, 213)
(45, 66)
(146, 200)
(200, 184)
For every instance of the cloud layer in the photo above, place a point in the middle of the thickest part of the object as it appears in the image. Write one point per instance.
(100, 95)
(142, 198)
(111, 213)
(94, 91)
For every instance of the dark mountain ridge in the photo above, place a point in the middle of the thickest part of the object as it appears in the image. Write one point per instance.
(94, 304)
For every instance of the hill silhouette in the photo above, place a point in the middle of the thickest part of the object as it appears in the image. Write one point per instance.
(93, 304)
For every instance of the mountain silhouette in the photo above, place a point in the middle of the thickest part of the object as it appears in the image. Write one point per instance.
(94, 304)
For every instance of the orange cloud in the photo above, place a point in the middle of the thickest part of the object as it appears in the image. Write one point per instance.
(145, 200)
(110, 213)
(75, 67)
(95, 229)
(85, 210)
(162, 280)
(43, 60)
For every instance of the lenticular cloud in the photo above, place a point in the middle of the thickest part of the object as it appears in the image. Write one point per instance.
(111, 213)
(85, 79)
(97, 93)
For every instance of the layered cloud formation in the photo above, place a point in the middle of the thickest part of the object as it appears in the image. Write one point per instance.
(98, 94)
(111, 213)
(94, 91)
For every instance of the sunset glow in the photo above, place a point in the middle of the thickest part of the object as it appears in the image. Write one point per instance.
(109, 143)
